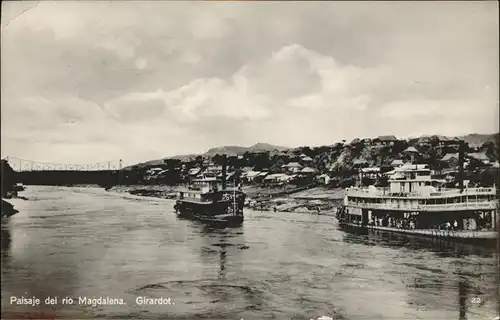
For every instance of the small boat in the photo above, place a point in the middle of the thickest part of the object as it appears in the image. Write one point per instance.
(209, 200)
(19, 187)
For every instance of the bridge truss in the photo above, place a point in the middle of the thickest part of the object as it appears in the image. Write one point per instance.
(20, 165)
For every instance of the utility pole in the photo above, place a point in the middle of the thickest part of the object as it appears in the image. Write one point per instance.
(120, 172)
(497, 228)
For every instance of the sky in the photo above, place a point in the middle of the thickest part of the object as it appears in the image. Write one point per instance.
(84, 82)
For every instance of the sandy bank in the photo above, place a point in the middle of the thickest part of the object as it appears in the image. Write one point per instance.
(157, 191)
(313, 200)
(282, 199)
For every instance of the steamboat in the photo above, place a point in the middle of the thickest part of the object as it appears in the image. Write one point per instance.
(209, 200)
(416, 204)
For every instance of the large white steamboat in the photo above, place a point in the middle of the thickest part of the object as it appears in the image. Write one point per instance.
(414, 203)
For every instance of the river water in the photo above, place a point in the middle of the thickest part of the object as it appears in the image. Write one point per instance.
(86, 242)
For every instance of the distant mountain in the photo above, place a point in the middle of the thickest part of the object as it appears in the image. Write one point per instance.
(228, 150)
(237, 150)
(266, 147)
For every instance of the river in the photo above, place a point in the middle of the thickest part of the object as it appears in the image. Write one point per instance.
(86, 242)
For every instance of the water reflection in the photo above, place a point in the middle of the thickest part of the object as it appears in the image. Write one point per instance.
(463, 287)
(227, 243)
(6, 240)
(397, 241)
(437, 271)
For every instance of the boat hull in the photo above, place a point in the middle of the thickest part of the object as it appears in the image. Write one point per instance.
(463, 236)
(213, 213)
(471, 236)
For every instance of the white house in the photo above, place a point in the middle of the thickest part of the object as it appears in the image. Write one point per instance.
(293, 167)
(397, 163)
(324, 178)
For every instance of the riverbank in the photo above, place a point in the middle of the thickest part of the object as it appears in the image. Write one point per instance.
(283, 199)
(156, 191)
(8, 209)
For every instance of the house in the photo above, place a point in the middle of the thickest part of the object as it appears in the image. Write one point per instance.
(194, 171)
(476, 146)
(293, 167)
(246, 169)
(306, 159)
(324, 178)
(424, 141)
(450, 159)
(385, 140)
(371, 173)
(229, 177)
(397, 163)
(261, 176)
(358, 163)
(308, 171)
(410, 150)
(480, 157)
(277, 178)
(452, 142)
(213, 171)
(449, 156)
(251, 175)
(154, 171)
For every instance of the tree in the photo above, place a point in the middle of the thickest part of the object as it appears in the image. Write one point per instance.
(199, 161)
(173, 163)
(9, 177)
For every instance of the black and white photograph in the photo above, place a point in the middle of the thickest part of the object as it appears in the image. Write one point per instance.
(250, 160)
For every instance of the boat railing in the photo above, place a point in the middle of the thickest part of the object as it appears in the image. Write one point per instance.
(423, 207)
(381, 192)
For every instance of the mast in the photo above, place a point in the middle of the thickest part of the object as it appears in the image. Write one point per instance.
(234, 195)
(461, 166)
(224, 165)
(496, 226)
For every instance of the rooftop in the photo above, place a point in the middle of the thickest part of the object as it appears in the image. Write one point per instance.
(293, 164)
(387, 138)
(410, 149)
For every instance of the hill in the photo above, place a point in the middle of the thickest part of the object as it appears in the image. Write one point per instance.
(228, 150)
(342, 157)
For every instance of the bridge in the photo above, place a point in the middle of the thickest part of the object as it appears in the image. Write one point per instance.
(31, 172)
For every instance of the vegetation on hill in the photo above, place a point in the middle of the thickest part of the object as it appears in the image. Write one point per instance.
(340, 161)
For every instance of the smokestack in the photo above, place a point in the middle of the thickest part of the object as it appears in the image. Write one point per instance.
(224, 167)
(461, 156)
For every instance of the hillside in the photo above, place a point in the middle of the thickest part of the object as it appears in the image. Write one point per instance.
(329, 156)
(228, 150)
(237, 150)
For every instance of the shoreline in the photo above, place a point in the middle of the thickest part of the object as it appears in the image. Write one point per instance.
(269, 199)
